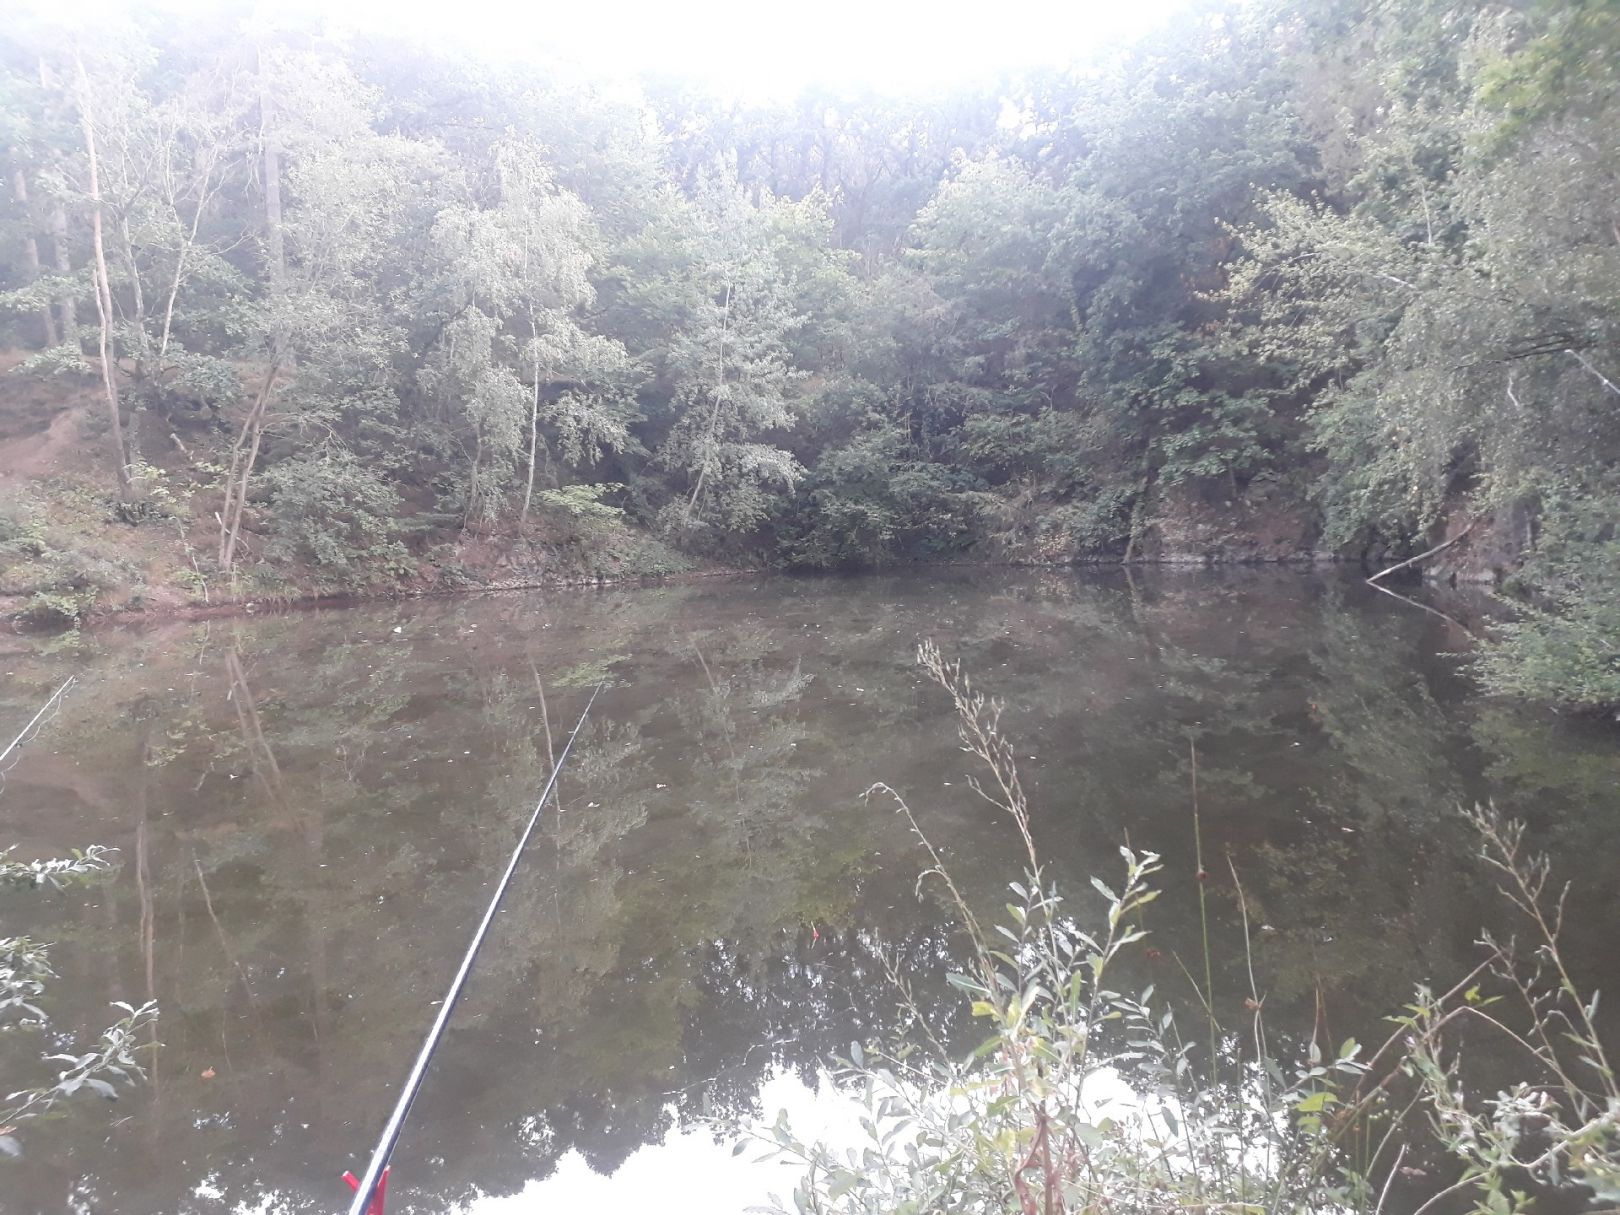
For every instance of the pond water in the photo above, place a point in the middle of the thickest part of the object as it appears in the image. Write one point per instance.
(311, 807)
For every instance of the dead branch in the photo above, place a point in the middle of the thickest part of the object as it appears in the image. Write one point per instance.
(1427, 553)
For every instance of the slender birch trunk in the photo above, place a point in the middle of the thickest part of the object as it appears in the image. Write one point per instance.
(203, 195)
(104, 302)
(244, 455)
(274, 230)
(66, 309)
(714, 413)
(19, 191)
(1139, 510)
(534, 428)
(140, 346)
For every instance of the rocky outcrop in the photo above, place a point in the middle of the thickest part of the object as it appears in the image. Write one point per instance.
(1489, 549)
(1202, 525)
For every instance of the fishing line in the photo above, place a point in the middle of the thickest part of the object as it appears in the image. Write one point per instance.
(36, 723)
(370, 1179)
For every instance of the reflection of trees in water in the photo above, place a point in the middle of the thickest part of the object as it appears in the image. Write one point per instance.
(324, 788)
(1562, 776)
(805, 1002)
(1349, 893)
(326, 821)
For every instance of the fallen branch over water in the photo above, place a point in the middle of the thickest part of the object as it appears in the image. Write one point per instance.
(1427, 553)
(1433, 611)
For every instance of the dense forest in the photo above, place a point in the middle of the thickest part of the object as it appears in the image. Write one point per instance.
(1285, 279)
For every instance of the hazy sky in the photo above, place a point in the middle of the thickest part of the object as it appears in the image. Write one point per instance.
(754, 50)
(767, 47)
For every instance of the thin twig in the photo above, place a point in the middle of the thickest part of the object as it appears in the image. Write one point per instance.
(1390, 1180)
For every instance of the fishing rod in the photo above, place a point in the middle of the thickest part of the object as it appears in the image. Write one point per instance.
(373, 1180)
(37, 718)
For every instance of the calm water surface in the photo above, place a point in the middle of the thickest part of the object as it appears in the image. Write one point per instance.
(310, 809)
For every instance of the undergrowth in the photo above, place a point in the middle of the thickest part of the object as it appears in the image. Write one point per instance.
(1082, 1098)
(58, 579)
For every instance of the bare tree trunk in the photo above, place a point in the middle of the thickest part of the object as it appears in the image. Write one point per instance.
(714, 413)
(534, 429)
(180, 271)
(19, 190)
(274, 240)
(239, 482)
(274, 234)
(473, 494)
(207, 187)
(1137, 509)
(104, 304)
(244, 455)
(272, 211)
(174, 291)
(697, 491)
(141, 345)
(67, 311)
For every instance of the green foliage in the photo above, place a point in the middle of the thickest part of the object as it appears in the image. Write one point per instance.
(193, 383)
(1447, 308)
(636, 555)
(59, 578)
(154, 500)
(24, 968)
(25, 972)
(58, 872)
(1564, 644)
(110, 1062)
(722, 296)
(583, 502)
(22, 532)
(1092, 524)
(64, 361)
(513, 283)
(873, 501)
(1356, 251)
(1568, 64)
(332, 511)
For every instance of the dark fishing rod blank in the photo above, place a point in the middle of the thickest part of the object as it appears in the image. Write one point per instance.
(369, 1180)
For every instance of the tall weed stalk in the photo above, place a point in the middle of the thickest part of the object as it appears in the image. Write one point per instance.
(1082, 1099)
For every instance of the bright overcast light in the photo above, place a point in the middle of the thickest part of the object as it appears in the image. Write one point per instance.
(754, 50)
(774, 49)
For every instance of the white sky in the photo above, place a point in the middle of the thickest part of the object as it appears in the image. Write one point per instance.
(751, 49)
(690, 1173)
(765, 48)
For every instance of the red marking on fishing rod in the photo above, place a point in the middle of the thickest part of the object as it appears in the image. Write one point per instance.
(814, 934)
(377, 1195)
